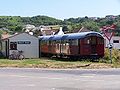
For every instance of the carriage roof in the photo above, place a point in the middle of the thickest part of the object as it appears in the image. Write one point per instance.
(70, 36)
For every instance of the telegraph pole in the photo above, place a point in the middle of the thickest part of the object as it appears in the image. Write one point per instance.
(110, 46)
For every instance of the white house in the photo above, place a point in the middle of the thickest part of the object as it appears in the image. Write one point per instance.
(25, 42)
(115, 41)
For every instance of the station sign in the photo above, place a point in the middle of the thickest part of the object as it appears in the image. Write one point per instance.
(24, 42)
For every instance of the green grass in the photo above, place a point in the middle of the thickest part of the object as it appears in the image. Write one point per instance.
(65, 63)
(51, 63)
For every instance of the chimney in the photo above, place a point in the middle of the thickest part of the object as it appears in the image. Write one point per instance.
(60, 31)
(41, 29)
(31, 33)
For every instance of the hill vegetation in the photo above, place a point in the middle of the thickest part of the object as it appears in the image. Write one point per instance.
(16, 23)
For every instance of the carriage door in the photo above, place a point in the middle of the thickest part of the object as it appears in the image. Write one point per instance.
(93, 45)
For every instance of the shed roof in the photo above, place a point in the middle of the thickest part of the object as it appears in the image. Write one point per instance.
(16, 35)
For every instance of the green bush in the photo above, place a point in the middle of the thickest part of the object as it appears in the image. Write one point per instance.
(115, 55)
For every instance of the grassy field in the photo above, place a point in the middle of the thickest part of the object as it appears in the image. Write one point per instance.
(52, 63)
(65, 63)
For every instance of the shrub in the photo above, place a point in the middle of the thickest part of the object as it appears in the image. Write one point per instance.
(115, 55)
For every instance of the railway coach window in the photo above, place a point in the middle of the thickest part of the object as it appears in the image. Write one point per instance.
(65, 42)
(53, 42)
(74, 42)
(100, 41)
(87, 41)
(50, 42)
(58, 41)
(93, 40)
(43, 43)
(47, 42)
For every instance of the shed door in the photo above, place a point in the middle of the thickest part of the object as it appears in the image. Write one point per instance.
(6, 48)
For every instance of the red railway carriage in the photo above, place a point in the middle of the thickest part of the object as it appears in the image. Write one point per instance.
(84, 44)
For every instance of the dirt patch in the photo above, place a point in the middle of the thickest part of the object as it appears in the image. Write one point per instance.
(99, 66)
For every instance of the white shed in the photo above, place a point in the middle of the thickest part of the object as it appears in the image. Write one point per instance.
(25, 42)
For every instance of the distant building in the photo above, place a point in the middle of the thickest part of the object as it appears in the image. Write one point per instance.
(41, 30)
(115, 41)
(29, 27)
(5, 35)
(110, 17)
(49, 30)
(94, 18)
(83, 29)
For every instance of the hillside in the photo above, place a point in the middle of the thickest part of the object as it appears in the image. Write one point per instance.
(16, 23)
(95, 23)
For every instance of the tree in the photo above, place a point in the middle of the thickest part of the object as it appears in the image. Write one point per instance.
(93, 26)
(18, 29)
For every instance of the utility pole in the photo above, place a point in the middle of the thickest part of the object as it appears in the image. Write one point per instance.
(110, 46)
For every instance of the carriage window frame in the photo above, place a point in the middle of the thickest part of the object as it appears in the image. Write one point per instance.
(64, 44)
(93, 40)
(115, 41)
(100, 41)
(53, 42)
(50, 42)
(87, 40)
(74, 42)
(47, 42)
(57, 43)
(43, 42)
